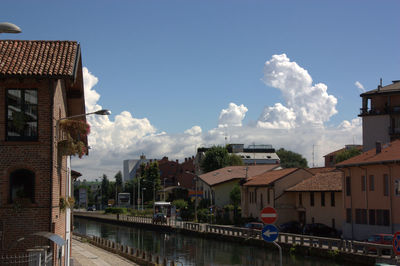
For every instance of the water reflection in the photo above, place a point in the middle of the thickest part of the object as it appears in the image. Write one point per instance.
(191, 250)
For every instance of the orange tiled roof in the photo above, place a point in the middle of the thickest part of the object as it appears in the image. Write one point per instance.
(269, 177)
(38, 58)
(316, 170)
(235, 172)
(325, 181)
(389, 153)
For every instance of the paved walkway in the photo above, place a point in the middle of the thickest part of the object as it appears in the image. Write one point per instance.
(85, 254)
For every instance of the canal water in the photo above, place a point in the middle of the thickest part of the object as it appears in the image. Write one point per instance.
(189, 250)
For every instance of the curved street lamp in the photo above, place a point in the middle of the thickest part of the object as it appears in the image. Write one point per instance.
(6, 27)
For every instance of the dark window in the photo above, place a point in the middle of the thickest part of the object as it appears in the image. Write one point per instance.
(361, 216)
(300, 199)
(322, 198)
(268, 196)
(372, 217)
(22, 183)
(312, 198)
(386, 218)
(331, 158)
(371, 183)
(333, 223)
(348, 186)
(382, 217)
(22, 114)
(250, 196)
(261, 201)
(333, 199)
(312, 220)
(385, 185)
(348, 215)
(362, 183)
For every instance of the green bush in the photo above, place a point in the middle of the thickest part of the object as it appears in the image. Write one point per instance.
(116, 210)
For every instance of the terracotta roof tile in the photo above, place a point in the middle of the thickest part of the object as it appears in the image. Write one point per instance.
(389, 153)
(269, 177)
(327, 181)
(235, 172)
(38, 58)
(316, 170)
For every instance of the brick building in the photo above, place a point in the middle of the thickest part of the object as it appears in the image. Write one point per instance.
(40, 83)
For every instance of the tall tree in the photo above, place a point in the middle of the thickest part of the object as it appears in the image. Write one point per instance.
(347, 154)
(218, 157)
(151, 178)
(291, 159)
(105, 189)
(118, 184)
(235, 196)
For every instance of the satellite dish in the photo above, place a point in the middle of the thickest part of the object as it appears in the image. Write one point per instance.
(6, 27)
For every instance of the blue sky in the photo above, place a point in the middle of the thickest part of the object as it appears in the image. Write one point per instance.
(175, 65)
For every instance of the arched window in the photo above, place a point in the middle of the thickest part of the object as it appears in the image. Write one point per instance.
(22, 183)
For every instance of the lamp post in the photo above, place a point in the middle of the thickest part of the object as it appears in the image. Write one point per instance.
(6, 27)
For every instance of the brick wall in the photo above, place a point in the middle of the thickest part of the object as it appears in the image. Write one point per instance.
(37, 156)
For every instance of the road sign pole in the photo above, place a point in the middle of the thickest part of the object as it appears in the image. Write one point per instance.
(280, 252)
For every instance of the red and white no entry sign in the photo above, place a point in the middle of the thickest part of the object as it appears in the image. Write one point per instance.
(268, 215)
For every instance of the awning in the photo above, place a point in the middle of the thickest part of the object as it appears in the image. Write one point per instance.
(53, 237)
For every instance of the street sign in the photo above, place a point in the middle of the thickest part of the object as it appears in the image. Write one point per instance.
(270, 233)
(268, 215)
(396, 243)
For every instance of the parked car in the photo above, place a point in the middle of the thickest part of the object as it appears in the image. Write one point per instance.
(159, 218)
(318, 229)
(384, 239)
(293, 227)
(90, 209)
(254, 226)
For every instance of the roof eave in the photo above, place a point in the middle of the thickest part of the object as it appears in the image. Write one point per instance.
(367, 163)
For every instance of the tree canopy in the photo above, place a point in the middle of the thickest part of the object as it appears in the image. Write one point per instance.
(235, 195)
(291, 159)
(347, 154)
(218, 157)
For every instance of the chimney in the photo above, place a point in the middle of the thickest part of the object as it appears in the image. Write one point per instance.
(177, 161)
(185, 159)
(378, 147)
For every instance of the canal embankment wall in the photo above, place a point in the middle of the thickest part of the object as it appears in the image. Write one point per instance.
(335, 249)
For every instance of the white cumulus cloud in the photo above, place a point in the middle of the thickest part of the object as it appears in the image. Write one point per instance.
(297, 124)
(310, 103)
(233, 115)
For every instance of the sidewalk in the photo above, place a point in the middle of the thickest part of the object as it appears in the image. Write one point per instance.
(85, 254)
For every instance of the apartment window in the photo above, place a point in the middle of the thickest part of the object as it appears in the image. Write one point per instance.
(372, 217)
(250, 196)
(261, 201)
(322, 199)
(362, 183)
(385, 185)
(255, 196)
(382, 217)
(268, 196)
(22, 114)
(22, 183)
(333, 199)
(300, 199)
(348, 216)
(371, 183)
(311, 198)
(333, 223)
(361, 216)
(348, 186)
(312, 220)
